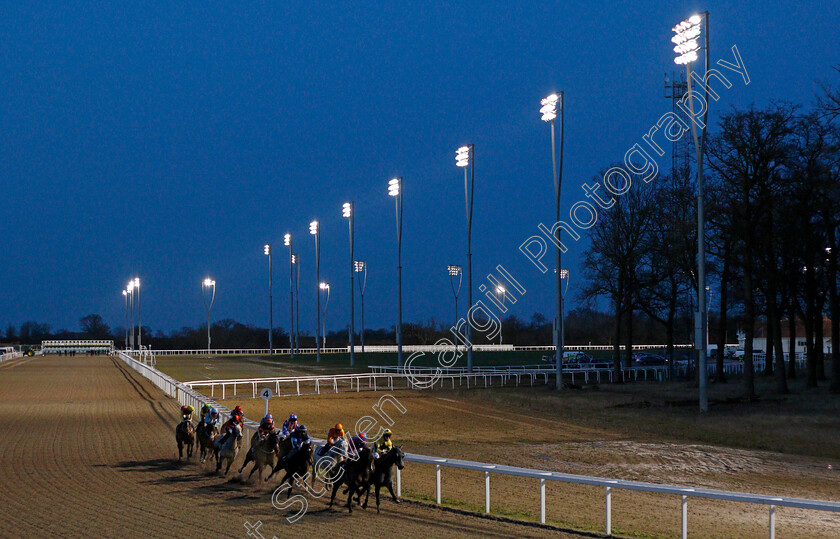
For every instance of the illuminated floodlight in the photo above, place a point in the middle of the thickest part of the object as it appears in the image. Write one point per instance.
(359, 266)
(313, 227)
(137, 282)
(209, 282)
(394, 187)
(267, 249)
(125, 293)
(287, 239)
(294, 259)
(462, 156)
(685, 39)
(548, 107)
(454, 270)
(346, 210)
(324, 286)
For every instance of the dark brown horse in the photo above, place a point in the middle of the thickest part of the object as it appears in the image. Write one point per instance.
(356, 477)
(295, 466)
(383, 470)
(206, 439)
(185, 435)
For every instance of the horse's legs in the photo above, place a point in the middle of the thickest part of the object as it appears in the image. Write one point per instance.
(248, 458)
(189, 451)
(390, 486)
(377, 487)
(180, 450)
(352, 490)
(230, 461)
(336, 485)
(275, 469)
(367, 495)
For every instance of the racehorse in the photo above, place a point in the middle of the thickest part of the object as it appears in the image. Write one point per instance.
(265, 452)
(206, 440)
(295, 466)
(229, 450)
(356, 477)
(383, 469)
(337, 453)
(185, 435)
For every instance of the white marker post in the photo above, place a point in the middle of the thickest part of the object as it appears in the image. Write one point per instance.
(266, 394)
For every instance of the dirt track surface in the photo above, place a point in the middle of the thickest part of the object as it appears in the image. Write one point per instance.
(89, 450)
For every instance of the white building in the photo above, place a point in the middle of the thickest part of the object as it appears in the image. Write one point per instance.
(760, 338)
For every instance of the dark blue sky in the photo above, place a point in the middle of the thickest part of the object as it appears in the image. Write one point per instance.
(171, 140)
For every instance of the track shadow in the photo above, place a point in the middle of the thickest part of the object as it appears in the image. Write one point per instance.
(152, 465)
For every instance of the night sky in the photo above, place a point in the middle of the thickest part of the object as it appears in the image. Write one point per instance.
(171, 140)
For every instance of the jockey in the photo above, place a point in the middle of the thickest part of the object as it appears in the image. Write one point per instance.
(290, 425)
(230, 425)
(299, 437)
(204, 410)
(211, 418)
(383, 445)
(187, 412)
(266, 426)
(336, 432)
(358, 442)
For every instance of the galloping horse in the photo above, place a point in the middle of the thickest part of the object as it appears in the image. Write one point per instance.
(229, 450)
(185, 435)
(356, 477)
(383, 469)
(265, 453)
(336, 453)
(296, 466)
(284, 447)
(206, 440)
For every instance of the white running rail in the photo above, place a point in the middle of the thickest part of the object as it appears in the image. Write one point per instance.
(187, 395)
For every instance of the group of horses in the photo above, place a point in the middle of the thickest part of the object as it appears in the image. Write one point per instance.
(338, 466)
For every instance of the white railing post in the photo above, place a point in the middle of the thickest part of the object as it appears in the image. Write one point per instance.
(486, 492)
(437, 483)
(684, 533)
(542, 501)
(609, 511)
(772, 522)
(399, 483)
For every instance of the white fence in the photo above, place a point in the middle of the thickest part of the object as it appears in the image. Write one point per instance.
(430, 348)
(595, 371)
(187, 395)
(610, 484)
(424, 378)
(10, 355)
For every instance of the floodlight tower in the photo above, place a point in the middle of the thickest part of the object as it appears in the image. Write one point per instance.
(465, 158)
(395, 190)
(687, 35)
(287, 241)
(455, 271)
(347, 211)
(315, 230)
(208, 287)
(501, 291)
(139, 315)
(130, 289)
(267, 252)
(548, 110)
(125, 297)
(360, 266)
(325, 288)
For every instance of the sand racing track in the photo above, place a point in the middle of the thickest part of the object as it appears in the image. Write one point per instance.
(88, 450)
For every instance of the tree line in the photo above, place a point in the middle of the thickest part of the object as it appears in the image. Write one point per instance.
(773, 216)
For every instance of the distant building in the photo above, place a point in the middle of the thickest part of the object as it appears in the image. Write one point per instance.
(760, 337)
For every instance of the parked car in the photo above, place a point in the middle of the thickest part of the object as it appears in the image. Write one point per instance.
(577, 358)
(642, 359)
